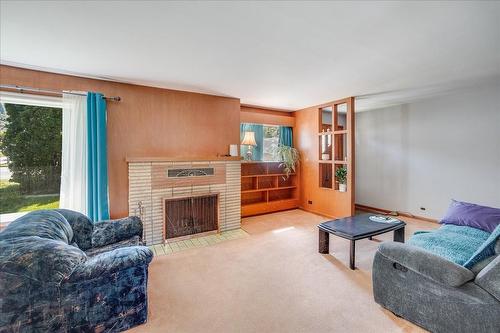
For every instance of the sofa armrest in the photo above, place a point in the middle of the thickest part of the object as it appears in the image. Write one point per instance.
(425, 263)
(489, 278)
(112, 231)
(111, 262)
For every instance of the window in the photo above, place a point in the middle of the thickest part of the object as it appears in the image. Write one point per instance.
(30, 153)
(271, 141)
(267, 139)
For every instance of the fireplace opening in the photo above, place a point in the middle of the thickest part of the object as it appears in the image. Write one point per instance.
(191, 215)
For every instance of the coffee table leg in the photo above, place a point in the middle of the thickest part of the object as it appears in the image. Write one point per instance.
(352, 256)
(399, 235)
(324, 242)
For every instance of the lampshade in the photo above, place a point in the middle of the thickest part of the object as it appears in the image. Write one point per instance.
(249, 139)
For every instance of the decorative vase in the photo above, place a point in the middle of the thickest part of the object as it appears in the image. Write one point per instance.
(342, 187)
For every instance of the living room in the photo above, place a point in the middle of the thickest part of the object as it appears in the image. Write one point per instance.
(249, 166)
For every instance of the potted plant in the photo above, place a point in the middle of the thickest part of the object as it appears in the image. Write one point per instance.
(289, 157)
(341, 175)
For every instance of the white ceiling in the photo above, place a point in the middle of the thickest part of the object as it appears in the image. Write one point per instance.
(285, 55)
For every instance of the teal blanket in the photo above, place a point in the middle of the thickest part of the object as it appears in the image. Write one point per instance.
(456, 243)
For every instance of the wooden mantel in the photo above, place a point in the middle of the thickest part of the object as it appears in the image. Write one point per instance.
(181, 159)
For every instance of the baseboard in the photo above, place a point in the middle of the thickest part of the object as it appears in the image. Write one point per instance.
(386, 211)
(318, 213)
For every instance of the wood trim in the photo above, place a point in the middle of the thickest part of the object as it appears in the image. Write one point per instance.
(318, 213)
(351, 153)
(266, 116)
(262, 109)
(386, 211)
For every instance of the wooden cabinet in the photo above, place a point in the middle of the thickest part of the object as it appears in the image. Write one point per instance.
(265, 188)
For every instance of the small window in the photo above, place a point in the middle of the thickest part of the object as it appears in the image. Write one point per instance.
(259, 142)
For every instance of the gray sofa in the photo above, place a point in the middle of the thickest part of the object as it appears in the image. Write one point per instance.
(436, 293)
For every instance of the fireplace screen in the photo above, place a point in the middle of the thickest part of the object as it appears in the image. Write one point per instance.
(187, 216)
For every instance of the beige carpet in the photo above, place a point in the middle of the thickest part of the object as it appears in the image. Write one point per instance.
(272, 281)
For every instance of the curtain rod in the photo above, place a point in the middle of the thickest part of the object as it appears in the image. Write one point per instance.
(22, 89)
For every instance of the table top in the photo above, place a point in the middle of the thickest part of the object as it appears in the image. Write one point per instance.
(359, 226)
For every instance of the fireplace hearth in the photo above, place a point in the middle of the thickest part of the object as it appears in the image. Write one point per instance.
(190, 215)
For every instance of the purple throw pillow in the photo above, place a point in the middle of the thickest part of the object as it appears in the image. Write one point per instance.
(472, 215)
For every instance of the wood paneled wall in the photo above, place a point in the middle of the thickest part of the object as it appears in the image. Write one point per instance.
(327, 202)
(148, 122)
(258, 115)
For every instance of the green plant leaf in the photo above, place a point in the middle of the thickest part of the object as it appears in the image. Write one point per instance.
(289, 158)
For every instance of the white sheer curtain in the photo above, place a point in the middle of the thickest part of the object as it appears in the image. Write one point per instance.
(74, 154)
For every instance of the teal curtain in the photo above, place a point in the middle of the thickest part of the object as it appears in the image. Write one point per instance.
(97, 161)
(286, 136)
(257, 151)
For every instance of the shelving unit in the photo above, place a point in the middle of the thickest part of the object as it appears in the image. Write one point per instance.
(265, 188)
(336, 143)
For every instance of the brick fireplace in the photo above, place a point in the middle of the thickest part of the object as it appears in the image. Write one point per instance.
(197, 195)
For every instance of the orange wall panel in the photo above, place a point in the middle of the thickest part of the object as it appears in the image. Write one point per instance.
(325, 201)
(255, 115)
(148, 122)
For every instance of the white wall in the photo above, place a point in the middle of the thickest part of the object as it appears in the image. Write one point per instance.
(424, 153)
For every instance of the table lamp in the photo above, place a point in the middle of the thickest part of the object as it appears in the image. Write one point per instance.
(249, 140)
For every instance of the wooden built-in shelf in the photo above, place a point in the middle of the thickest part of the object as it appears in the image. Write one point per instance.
(269, 189)
(336, 121)
(267, 175)
(265, 188)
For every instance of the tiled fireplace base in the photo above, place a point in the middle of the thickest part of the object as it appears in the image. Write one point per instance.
(150, 184)
(202, 241)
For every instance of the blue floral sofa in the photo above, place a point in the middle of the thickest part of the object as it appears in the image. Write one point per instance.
(61, 272)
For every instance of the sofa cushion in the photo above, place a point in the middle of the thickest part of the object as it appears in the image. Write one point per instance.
(455, 243)
(112, 231)
(487, 249)
(132, 241)
(39, 258)
(82, 227)
(47, 224)
(472, 215)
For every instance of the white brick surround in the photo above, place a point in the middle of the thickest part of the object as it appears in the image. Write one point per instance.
(147, 184)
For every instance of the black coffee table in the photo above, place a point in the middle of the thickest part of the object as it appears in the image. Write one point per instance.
(355, 228)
